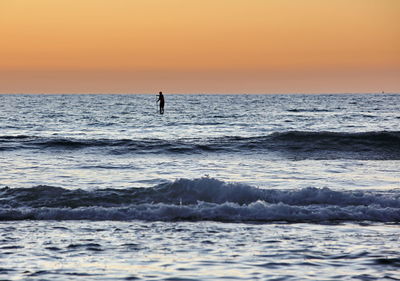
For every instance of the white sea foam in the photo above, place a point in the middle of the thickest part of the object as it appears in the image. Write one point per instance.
(232, 212)
(201, 199)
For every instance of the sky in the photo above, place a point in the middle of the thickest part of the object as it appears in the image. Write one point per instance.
(193, 46)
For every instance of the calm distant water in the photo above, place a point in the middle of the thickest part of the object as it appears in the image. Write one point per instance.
(246, 187)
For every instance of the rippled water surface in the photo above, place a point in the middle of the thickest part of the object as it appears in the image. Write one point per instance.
(119, 141)
(138, 250)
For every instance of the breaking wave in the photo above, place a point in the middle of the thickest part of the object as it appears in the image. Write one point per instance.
(198, 200)
(381, 145)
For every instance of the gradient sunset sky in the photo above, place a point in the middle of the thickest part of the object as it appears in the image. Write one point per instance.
(199, 46)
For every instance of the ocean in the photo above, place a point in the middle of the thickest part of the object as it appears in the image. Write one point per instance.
(220, 187)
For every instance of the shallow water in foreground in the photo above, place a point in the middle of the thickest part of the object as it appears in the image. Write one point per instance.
(137, 250)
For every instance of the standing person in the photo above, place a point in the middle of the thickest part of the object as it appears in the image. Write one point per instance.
(161, 100)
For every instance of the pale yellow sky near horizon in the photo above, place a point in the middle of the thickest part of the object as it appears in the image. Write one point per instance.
(191, 46)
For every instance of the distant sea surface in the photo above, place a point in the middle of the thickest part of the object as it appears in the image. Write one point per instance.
(220, 187)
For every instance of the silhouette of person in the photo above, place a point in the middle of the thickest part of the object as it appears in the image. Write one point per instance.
(161, 100)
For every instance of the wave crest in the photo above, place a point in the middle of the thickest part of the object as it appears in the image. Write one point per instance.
(199, 199)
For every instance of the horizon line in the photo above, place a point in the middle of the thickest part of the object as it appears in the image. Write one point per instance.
(203, 93)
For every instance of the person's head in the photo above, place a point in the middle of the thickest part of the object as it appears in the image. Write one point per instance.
(160, 93)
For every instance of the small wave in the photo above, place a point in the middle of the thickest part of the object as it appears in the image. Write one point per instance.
(293, 144)
(382, 145)
(308, 110)
(199, 199)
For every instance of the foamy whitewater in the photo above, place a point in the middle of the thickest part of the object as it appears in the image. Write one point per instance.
(220, 187)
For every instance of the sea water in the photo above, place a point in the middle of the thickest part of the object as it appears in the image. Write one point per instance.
(220, 187)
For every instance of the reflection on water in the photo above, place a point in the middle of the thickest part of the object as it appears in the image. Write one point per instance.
(198, 251)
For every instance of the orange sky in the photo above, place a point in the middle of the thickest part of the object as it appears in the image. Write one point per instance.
(192, 46)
